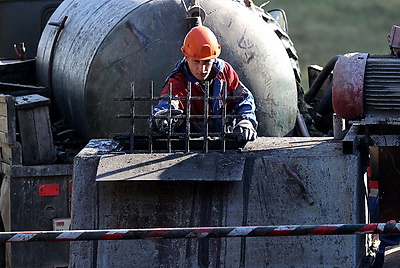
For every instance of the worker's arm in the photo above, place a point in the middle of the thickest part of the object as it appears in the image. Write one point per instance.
(162, 118)
(246, 124)
(244, 107)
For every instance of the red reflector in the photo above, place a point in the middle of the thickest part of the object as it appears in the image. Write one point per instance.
(49, 190)
(373, 184)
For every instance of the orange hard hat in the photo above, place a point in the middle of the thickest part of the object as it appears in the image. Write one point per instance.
(201, 44)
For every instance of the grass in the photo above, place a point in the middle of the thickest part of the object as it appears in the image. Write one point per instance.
(321, 29)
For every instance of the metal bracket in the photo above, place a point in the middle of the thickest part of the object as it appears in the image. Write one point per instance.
(350, 141)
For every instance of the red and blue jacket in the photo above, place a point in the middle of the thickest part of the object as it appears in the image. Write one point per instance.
(221, 72)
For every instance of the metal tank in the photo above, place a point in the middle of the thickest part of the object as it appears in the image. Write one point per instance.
(106, 45)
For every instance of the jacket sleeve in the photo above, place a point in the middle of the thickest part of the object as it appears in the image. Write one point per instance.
(178, 90)
(244, 106)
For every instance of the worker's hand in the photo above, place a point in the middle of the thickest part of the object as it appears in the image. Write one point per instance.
(162, 122)
(246, 131)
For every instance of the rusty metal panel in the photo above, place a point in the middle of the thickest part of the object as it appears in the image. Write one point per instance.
(29, 210)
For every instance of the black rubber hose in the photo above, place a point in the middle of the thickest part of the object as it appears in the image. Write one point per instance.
(319, 81)
(325, 106)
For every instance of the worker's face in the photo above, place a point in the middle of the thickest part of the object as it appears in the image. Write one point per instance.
(200, 68)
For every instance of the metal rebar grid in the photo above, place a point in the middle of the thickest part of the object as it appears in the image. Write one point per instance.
(223, 113)
(170, 140)
(205, 115)
(187, 119)
(169, 118)
(150, 135)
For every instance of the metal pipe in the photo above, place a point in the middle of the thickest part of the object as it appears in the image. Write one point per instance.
(200, 232)
(187, 119)
(338, 127)
(302, 127)
(224, 96)
(319, 81)
(169, 117)
(206, 100)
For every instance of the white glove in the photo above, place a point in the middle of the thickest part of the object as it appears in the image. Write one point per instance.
(246, 130)
(161, 119)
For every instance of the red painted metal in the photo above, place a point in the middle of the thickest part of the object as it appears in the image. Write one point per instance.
(347, 85)
(49, 190)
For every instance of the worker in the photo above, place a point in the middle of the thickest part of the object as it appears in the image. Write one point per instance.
(200, 65)
(394, 41)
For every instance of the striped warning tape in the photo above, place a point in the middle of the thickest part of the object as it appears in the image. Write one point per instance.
(201, 232)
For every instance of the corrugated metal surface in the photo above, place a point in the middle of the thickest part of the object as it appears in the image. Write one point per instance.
(382, 86)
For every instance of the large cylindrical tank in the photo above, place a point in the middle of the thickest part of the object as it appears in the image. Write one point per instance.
(106, 45)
